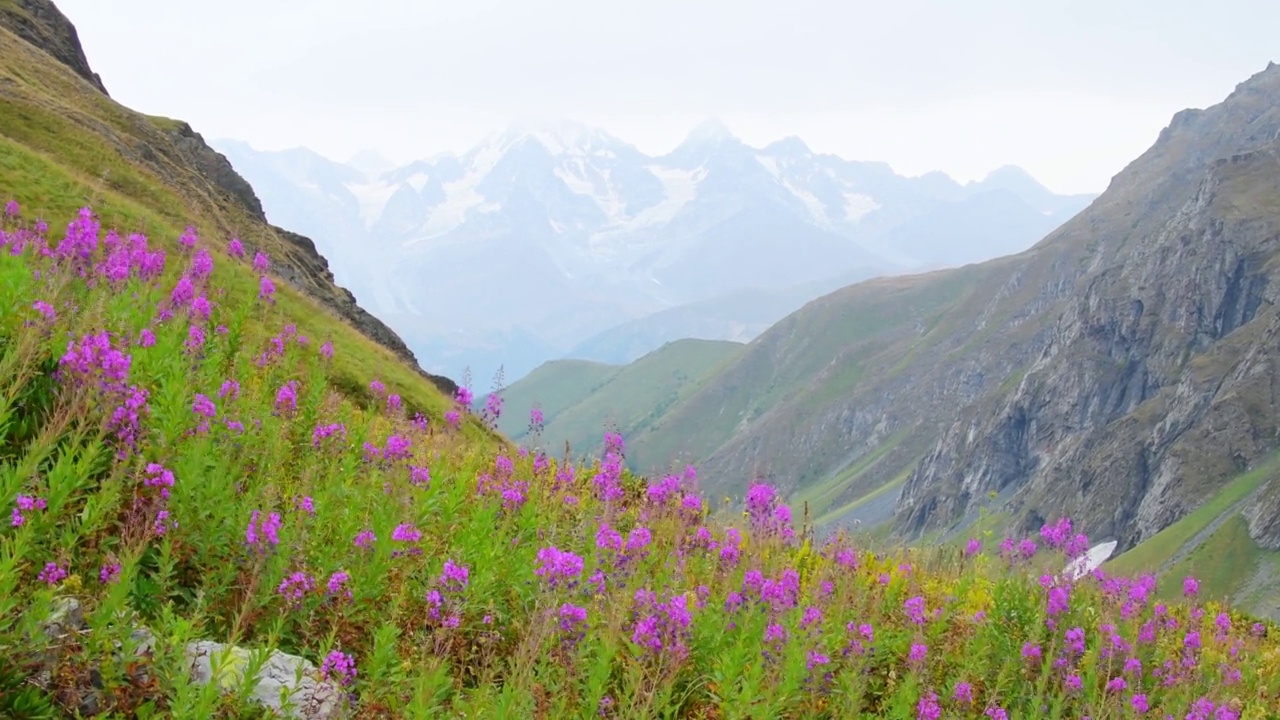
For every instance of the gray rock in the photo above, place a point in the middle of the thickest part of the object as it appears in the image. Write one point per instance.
(287, 684)
(66, 617)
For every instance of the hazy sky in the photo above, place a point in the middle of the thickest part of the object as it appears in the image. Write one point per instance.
(1070, 90)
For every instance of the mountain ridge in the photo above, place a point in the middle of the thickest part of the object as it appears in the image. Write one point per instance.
(566, 211)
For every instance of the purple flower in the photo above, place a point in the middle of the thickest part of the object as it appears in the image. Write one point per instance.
(261, 263)
(287, 397)
(109, 573)
(235, 248)
(338, 666)
(1190, 586)
(1139, 703)
(973, 547)
(45, 309)
(963, 693)
(915, 609)
(52, 574)
(266, 289)
(364, 539)
(918, 653)
(454, 577)
(337, 584)
(928, 708)
(11, 209)
(326, 350)
(558, 567)
(297, 585)
(189, 237)
(405, 532)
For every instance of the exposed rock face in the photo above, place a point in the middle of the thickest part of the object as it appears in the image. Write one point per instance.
(286, 683)
(1158, 378)
(40, 23)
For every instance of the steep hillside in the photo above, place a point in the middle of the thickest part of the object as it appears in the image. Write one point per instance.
(212, 511)
(582, 400)
(1120, 370)
(64, 142)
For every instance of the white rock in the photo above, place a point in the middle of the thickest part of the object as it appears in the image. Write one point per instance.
(284, 680)
(1090, 561)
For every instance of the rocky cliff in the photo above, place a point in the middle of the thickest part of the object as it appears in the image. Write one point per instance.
(1158, 376)
(168, 151)
(1121, 370)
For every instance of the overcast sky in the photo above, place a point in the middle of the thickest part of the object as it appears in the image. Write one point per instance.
(1070, 90)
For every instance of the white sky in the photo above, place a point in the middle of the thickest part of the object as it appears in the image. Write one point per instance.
(1069, 89)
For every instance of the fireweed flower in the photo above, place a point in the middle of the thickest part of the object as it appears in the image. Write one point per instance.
(52, 574)
(454, 577)
(419, 476)
(573, 623)
(914, 608)
(287, 398)
(963, 693)
(25, 503)
(11, 209)
(405, 532)
(261, 263)
(326, 350)
(393, 403)
(377, 387)
(558, 567)
(146, 338)
(364, 539)
(158, 476)
(338, 667)
(927, 708)
(453, 418)
(265, 533)
(266, 289)
(109, 573)
(917, 654)
(45, 309)
(1190, 586)
(296, 586)
(201, 264)
(188, 238)
(337, 584)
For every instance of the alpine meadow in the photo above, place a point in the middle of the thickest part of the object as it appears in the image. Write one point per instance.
(1039, 485)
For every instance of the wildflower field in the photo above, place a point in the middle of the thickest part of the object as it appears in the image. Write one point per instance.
(176, 454)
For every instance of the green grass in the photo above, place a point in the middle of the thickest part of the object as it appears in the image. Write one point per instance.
(1157, 550)
(1223, 564)
(585, 399)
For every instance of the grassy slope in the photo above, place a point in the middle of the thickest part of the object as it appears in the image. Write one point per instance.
(64, 145)
(498, 644)
(554, 387)
(581, 400)
(1213, 544)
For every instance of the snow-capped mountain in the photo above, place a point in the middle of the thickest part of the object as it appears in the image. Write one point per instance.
(543, 236)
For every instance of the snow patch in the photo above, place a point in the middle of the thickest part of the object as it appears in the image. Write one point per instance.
(589, 181)
(418, 180)
(372, 198)
(1090, 561)
(856, 205)
(679, 188)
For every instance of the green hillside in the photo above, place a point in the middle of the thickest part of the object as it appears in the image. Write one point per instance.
(224, 500)
(581, 400)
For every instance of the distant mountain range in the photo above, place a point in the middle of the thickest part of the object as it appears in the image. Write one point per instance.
(559, 240)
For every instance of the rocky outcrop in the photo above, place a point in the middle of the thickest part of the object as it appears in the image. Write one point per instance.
(40, 23)
(1158, 379)
(287, 684)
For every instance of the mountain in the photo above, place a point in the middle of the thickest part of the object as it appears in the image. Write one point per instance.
(1121, 371)
(580, 400)
(738, 316)
(64, 141)
(547, 238)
